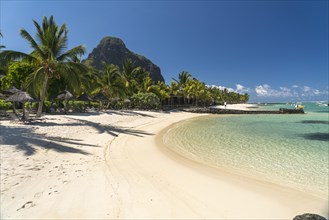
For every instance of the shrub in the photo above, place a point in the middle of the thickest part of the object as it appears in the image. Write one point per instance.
(145, 101)
(76, 106)
(5, 105)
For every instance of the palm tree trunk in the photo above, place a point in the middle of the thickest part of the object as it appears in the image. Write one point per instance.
(43, 94)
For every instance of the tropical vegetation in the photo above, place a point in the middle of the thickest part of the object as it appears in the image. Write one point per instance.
(50, 68)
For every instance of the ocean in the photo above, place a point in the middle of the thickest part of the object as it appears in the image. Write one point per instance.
(288, 150)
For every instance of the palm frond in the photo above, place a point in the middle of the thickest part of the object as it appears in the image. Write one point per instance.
(34, 81)
(31, 41)
(10, 55)
(72, 54)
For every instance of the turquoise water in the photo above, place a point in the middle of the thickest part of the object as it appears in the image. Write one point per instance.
(290, 150)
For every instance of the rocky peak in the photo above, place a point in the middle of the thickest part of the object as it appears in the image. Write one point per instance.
(112, 50)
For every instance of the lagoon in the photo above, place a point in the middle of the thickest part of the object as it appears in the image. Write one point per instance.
(288, 150)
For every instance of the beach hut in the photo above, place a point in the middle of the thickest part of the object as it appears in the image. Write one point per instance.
(21, 97)
(65, 96)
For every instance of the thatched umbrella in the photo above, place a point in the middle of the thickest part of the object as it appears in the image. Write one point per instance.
(100, 97)
(20, 97)
(65, 95)
(84, 98)
(9, 92)
(127, 102)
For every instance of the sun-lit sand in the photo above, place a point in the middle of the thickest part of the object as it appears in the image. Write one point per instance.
(114, 165)
(244, 107)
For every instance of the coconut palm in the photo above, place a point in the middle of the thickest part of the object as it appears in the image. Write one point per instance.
(161, 90)
(112, 82)
(49, 56)
(130, 73)
(183, 77)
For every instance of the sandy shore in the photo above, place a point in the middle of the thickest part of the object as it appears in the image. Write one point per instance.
(114, 165)
(244, 107)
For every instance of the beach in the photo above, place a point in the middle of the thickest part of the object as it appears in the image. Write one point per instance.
(114, 165)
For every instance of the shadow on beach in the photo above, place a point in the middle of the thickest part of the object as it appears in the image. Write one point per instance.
(101, 128)
(110, 112)
(25, 139)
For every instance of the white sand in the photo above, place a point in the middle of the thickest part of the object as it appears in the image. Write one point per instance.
(74, 167)
(244, 107)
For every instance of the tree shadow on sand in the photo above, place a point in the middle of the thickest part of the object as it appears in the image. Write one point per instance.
(24, 139)
(101, 128)
(116, 112)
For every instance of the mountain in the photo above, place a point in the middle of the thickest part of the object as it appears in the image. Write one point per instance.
(112, 50)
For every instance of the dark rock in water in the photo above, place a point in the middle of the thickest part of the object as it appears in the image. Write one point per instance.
(308, 216)
(112, 50)
(236, 111)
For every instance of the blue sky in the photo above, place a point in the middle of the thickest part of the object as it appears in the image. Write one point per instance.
(274, 50)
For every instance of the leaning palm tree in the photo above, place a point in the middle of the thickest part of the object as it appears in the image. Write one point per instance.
(49, 56)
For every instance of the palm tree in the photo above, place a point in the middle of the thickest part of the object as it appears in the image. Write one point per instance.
(112, 82)
(183, 77)
(50, 57)
(161, 90)
(130, 74)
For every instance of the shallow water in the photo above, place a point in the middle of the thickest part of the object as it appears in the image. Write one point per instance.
(290, 150)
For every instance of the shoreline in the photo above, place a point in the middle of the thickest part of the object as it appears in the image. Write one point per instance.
(110, 165)
(184, 155)
(251, 198)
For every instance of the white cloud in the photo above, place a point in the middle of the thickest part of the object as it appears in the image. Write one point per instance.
(241, 89)
(306, 88)
(221, 87)
(294, 92)
(263, 90)
(266, 91)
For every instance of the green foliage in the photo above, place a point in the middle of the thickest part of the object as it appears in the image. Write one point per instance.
(5, 105)
(94, 105)
(16, 75)
(50, 57)
(77, 106)
(145, 101)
